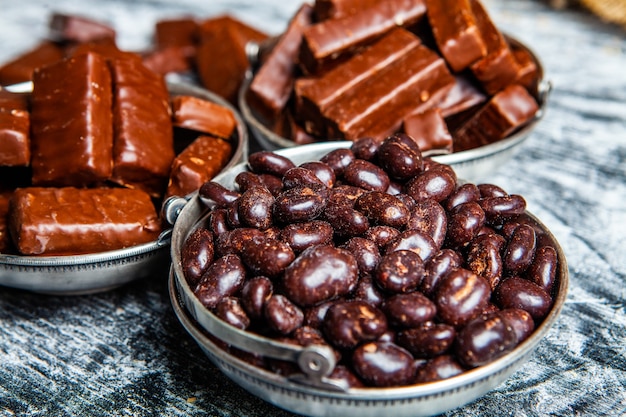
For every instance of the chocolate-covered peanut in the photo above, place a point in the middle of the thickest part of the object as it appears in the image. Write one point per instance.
(196, 255)
(383, 364)
(350, 323)
(223, 278)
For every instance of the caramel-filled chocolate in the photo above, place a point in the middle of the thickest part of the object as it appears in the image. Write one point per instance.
(505, 112)
(377, 106)
(202, 160)
(221, 57)
(336, 9)
(71, 122)
(14, 130)
(273, 83)
(328, 40)
(456, 32)
(22, 67)
(143, 139)
(203, 116)
(498, 68)
(315, 94)
(429, 131)
(67, 221)
(73, 28)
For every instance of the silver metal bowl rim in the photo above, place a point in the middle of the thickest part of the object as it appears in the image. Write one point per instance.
(468, 377)
(35, 263)
(264, 134)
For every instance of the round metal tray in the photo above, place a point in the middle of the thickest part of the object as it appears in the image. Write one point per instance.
(97, 272)
(471, 165)
(312, 393)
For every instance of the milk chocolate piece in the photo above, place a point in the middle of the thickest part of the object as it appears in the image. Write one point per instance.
(429, 131)
(456, 32)
(221, 57)
(170, 59)
(71, 122)
(462, 96)
(327, 41)
(143, 139)
(202, 160)
(5, 238)
(273, 82)
(14, 130)
(105, 47)
(498, 68)
(203, 116)
(505, 112)
(377, 106)
(315, 94)
(336, 9)
(68, 221)
(176, 32)
(528, 71)
(21, 68)
(74, 28)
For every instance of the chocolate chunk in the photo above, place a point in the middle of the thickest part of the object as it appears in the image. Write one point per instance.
(14, 130)
(273, 83)
(203, 116)
(221, 55)
(335, 9)
(429, 130)
(5, 238)
(463, 96)
(456, 32)
(176, 32)
(21, 68)
(326, 41)
(528, 72)
(198, 163)
(170, 59)
(506, 111)
(74, 28)
(71, 122)
(67, 221)
(144, 144)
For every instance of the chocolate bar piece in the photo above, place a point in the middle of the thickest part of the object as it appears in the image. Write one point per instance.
(315, 94)
(72, 28)
(69, 221)
(377, 106)
(528, 73)
(273, 82)
(329, 40)
(14, 130)
(462, 96)
(71, 122)
(202, 160)
(143, 139)
(336, 9)
(21, 68)
(170, 59)
(203, 116)
(505, 112)
(5, 238)
(456, 32)
(223, 37)
(176, 32)
(498, 68)
(105, 47)
(429, 131)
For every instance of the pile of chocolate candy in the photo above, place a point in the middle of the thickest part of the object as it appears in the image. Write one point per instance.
(407, 273)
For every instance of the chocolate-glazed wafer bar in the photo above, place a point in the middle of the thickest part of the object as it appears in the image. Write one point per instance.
(68, 220)
(71, 122)
(203, 116)
(329, 40)
(506, 111)
(144, 146)
(14, 130)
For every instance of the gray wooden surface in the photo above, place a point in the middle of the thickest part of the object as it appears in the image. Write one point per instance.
(124, 353)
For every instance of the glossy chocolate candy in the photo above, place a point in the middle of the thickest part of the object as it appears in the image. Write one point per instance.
(14, 130)
(203, 116)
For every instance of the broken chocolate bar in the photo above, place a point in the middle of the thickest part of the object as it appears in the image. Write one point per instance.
(69, 221)
(71, 122)
(429, 131)
(203, 116)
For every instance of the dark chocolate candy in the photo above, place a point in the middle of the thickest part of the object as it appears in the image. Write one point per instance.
(67, 221)
(328, 40)
(197, 164)
(21, 68)
(506, 111)
(273, 83)
(429, 130)
(71, 122)
(203, 116)
(73, 28)
(144, 144)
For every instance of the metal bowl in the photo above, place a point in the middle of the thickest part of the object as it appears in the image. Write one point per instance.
(311, 393)
(472, 165)
(97, 272)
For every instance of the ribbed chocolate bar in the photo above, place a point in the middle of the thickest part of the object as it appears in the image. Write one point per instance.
(71, 122)
(202, 160)
(329, 40)
(144, 145)
(315, 94)
(14, 130)
(203, 116)
(273, 82)
(456, 32)
(22, 67)
(505, 112)
(68, 221)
